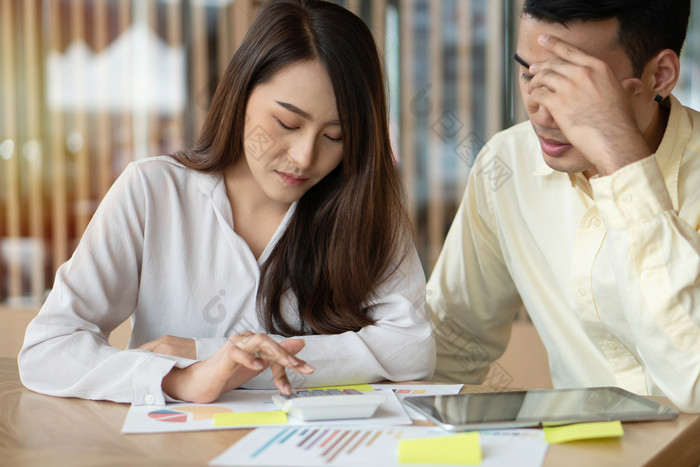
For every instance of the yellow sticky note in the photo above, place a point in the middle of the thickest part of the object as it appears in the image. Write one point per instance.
(463, 448)
(357, 387)
(275, 417)
(579, 431)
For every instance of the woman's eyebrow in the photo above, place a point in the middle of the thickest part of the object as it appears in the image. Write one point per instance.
(301, 113)
(517, 58)
(295, 109)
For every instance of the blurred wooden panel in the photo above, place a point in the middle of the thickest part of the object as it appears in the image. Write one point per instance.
(407, 154)
(436, 204)
(78, 135)
(175, 128)
(32, 146)
(123, 151)
(56, 149)
(200, 63)
(355, 6)
(520, 113)
(494, 67)
(104, 136)
(155, 132)
(379, 24)
(224, 38)
(10, 146)
(243, 15)
(465, 84)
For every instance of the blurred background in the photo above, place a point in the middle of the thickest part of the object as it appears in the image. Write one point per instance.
(87, 86)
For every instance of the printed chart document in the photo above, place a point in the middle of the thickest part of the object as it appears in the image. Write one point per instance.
(242, 409)
(382, 447)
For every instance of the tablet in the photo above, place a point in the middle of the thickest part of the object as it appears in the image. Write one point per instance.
(485, 411)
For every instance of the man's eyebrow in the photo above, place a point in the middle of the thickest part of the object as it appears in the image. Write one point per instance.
(517, 58)
(301, 113)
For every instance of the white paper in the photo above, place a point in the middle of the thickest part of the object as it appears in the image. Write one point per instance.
(370, 446)
(197, 417)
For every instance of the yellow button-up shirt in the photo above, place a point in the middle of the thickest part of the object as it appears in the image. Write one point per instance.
(609, 270)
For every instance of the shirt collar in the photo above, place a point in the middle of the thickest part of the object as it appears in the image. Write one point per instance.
(207, 181)
(670, 152)
(542, 170)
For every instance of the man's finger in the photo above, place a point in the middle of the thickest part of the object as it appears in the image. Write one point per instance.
(564, 50)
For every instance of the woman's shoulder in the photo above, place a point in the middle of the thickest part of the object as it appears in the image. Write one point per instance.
(158, 165)
(163, 171)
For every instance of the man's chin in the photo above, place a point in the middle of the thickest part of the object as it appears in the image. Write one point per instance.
(569, 163)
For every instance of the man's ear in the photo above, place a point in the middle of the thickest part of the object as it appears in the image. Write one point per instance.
(664, 71)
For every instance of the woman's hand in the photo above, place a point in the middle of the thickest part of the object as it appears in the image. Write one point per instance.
(171, 345)
(242, 357)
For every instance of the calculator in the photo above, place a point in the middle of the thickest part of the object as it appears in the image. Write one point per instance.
(329, 404)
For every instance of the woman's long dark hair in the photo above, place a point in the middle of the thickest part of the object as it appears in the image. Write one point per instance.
(350, 230)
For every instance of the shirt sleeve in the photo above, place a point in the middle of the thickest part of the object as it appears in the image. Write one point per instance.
(470, 294)
(207, 346)
(398, 347)
(656, 255)
(66, 351)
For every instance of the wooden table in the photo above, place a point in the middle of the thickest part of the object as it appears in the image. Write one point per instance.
(38, 430)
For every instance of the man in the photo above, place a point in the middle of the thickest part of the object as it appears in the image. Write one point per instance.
(588, 214)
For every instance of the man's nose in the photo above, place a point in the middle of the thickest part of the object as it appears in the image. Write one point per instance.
(540, 116)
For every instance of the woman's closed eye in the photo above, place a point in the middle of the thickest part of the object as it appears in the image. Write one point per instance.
(285, 126)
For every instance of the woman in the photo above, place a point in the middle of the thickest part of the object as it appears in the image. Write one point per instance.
(284, 221)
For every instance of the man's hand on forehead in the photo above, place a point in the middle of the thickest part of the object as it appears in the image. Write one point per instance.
(591, 107)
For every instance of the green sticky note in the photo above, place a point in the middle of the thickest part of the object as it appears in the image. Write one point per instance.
(275, 417)
(357, 387)
(463, 448)
(579, 431)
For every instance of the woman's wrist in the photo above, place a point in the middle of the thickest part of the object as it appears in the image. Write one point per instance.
(174, 382)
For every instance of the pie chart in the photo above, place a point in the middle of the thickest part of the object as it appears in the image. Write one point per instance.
(199, 412)
(168, 416)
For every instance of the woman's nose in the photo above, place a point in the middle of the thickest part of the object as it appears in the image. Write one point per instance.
(302, 152)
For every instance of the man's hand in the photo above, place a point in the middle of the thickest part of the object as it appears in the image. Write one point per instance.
(591, 107)
(243, 357)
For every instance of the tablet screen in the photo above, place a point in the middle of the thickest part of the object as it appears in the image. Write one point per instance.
(537, 407)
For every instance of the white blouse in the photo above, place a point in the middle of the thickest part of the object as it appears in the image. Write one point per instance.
(161, 251)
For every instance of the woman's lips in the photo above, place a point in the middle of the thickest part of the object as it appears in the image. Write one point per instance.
(292, 180)
(553, 148)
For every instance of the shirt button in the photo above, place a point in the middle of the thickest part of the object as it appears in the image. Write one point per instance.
(149, 399)
(582, 292)
(596, 221)
(646, 275)
(626, 197)
(612, 346)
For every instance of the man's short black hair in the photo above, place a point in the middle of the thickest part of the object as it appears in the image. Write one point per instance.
(646, 26)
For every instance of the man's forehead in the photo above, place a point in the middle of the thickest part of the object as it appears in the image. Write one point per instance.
(594, 37)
